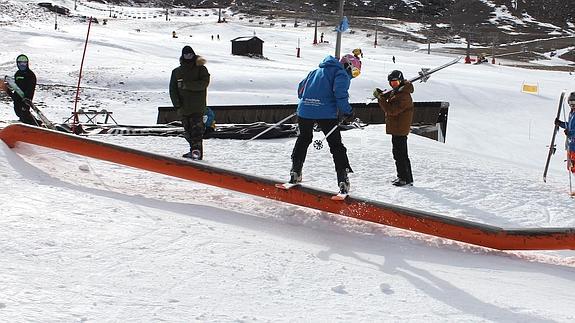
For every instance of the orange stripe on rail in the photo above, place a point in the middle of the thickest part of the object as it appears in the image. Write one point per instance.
(362, 209)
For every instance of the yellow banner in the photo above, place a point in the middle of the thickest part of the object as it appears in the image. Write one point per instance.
(530, 88)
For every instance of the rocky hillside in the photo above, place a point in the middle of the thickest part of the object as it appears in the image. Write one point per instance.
(480, 20)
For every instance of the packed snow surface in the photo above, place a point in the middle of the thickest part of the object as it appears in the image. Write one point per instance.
(87, 240)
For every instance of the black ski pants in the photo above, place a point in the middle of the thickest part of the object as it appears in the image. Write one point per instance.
(402, 163)
(336, 147)
(24, 114)
(194, 131)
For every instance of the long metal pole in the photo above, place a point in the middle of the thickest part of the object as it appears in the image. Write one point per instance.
(271, 127)
(76, 120)
(315, 33)
(338, 39)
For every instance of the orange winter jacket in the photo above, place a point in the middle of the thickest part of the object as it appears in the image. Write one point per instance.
(398, 108)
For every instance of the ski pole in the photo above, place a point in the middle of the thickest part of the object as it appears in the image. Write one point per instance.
(271, 127)
(318, 144)
(568, 126)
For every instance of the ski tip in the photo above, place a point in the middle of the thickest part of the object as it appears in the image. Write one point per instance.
(286, 186)
(339, 197)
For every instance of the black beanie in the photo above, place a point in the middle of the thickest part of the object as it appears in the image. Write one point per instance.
(188, 53)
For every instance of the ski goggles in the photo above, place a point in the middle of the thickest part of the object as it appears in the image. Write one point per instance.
(355, 72)
(394, 83)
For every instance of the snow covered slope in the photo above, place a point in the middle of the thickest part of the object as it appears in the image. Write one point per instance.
(86, 240)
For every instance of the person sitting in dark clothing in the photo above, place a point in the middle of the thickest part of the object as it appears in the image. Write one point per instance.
(25, 79)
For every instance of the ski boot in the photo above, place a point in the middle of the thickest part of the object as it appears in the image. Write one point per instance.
(344, 187)
(401, 182)
(193, 154)
(295, 177)
(343, 181)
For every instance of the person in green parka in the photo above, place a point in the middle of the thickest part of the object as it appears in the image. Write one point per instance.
(188, 92)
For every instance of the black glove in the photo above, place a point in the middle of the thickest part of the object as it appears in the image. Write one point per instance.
(388, 94)
(557, 122)
(348, 118)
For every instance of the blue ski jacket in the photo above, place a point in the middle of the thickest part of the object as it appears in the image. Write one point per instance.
(569, 127)
(324, 91)
(209, 118)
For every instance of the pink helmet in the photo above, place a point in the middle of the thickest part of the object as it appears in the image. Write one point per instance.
(352, 64)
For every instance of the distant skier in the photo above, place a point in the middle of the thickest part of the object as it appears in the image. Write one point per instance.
(324, 93)
(188, 91)
(398, 107)
(569, 127)
(393, 59)
(26, 81)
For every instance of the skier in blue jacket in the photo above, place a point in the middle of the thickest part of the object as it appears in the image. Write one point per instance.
(323, 98)
(569, 126)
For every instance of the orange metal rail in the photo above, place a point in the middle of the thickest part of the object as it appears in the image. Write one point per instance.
(386, 214)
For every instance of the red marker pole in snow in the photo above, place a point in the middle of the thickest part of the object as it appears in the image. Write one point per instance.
(76, 121)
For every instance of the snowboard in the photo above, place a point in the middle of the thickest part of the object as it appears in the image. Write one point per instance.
(11, 84)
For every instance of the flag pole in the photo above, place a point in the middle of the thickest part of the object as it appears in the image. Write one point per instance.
(339, 31)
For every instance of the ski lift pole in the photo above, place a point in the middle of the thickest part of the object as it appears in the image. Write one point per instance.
(76, 121)
(271, 127)
(339, 31)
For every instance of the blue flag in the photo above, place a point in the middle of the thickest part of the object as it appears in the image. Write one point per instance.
(343, 25)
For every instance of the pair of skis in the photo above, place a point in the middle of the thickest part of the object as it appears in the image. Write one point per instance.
(552, 145)
(287, 186)
(11, 84)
